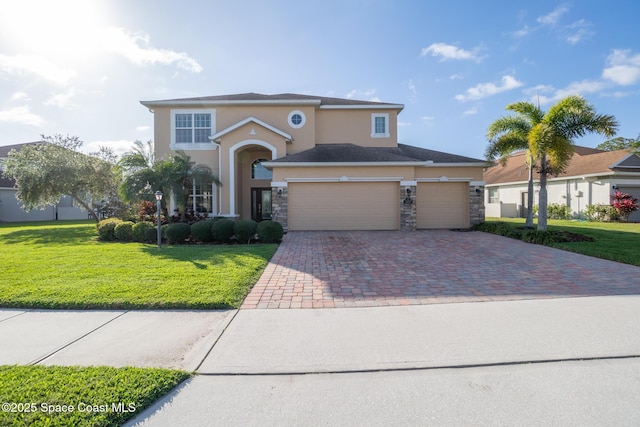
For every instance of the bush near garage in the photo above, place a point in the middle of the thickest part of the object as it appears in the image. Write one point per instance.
(270, 232)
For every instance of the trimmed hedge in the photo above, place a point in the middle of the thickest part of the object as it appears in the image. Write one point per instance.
(222, 230)
(178, 232)
(245, 230)
(106, 229)
(201, 231)
(140, 231)
(270, 232)
(124, 231)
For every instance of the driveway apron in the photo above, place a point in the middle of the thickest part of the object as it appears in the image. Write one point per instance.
(322, 269)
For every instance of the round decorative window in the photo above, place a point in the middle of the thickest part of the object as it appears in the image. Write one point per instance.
(296, 119)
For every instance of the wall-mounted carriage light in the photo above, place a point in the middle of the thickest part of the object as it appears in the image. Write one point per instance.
(279, 191)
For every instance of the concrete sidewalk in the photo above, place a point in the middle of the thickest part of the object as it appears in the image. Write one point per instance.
(269, 349)
(326, 340)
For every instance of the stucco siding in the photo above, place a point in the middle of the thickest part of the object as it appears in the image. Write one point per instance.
(353, 127)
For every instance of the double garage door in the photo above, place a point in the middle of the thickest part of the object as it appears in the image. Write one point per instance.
(344, 206)
(374, 205)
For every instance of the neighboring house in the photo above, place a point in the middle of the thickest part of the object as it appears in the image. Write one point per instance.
(591, 178)
(11, 208)
(317, 163)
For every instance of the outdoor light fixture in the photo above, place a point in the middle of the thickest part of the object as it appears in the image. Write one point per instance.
(408, 191)
(158, 199)
(279, 191)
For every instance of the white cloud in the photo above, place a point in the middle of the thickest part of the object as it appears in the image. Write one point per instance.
(118, 146)
(136, 48)
(20, 96)
(36, 65)
(456, 76)
(21, 115)
(524, 31)
(577, 32)
(553, 17)
(143, 128)
(404, 124)
(447, 51)
(471, 111)
(623, 67)
(367, 95)
(575, 88)
(484, 90)
(62, 100)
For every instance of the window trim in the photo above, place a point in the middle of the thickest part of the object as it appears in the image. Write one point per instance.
(493, 198)
(192, 145)
(375, 134)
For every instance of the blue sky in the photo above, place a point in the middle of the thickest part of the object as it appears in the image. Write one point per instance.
(81, 67)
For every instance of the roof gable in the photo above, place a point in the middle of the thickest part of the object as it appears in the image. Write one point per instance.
(216, 137)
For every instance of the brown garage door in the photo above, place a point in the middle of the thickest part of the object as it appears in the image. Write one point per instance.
(442, 205)
(344, 206)
(635, 192)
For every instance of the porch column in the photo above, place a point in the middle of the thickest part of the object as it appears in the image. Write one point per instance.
(408, 205)
(280, 204)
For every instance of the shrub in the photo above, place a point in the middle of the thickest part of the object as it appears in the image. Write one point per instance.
(601, 212)
(624, 204)
(222, 230)
(106, 229)
(558, 211)
(245, 230)
(499, 228)
(124, 231)
(140, 231)
(152, 234)
(178, 232)
(201, 231)
(543, 237)
(270, 231)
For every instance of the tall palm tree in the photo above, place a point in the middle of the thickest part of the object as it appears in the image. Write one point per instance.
(550, 136)
(511, 133)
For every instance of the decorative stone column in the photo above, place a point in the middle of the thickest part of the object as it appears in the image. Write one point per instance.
(476, 204)
(279, 206)
(407, 207)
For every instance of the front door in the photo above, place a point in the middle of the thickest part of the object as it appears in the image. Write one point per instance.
(260, 204)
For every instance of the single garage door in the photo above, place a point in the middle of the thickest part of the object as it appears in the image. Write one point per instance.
(442, 205)
(344, 206)
(635, 192)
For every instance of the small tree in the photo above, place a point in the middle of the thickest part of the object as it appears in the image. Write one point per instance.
(46, 172)
(625, 204)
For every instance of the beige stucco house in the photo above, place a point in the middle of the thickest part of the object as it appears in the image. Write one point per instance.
(591, 178)
(317, 163)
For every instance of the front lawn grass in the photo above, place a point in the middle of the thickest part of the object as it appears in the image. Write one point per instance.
(80, 396)
(61, 265)
(615, 241)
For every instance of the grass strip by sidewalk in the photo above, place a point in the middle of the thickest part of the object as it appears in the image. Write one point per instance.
(61, 265)
(615, 241)
(80, 396)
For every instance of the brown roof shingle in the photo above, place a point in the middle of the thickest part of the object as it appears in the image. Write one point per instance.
(585, 161)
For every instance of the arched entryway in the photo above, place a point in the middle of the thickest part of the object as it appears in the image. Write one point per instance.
(250, 182)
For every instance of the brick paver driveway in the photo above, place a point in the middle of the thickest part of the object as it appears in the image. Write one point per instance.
(315, 269)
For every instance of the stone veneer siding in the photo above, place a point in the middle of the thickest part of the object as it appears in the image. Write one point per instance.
(476, 205)
(280, 206)
(407, 208)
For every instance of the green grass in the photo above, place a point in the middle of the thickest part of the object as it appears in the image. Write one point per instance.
(99, 396)
(61, 265)
(614, 241)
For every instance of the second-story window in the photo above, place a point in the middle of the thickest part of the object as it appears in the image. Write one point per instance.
(380, 125)
(192, 127)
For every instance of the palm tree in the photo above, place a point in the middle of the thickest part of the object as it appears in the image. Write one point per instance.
(511, 133)
(172, 176)
(549, 137)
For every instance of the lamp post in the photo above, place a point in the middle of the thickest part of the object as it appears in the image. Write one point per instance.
(158, 199)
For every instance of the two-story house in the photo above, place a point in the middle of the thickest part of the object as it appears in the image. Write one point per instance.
(317, 163)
